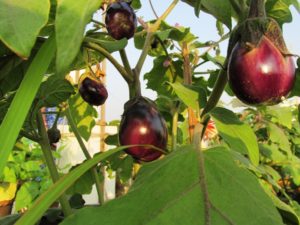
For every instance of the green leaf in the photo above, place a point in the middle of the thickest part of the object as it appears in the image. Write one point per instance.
(272, 152)
(107, 42)
(296, 88)
(237, 134)
(197, 7)
(122, 165)
(281, 115)
(279, 10)
(83, 185)
(31, 166)
(57, 189)
(220, 28)
(21, 103)
(83, 114)
(159, 75)
(286, 210)
(168, 192)
(26, 195)
(54, 91)
(112, 139)
(188, 96)
(220, 9)
(9, 175)
(76, 201)
(70, 23)
(21, 22)
(9, 220)
(136, 4)
(278, 136)
(292, 169)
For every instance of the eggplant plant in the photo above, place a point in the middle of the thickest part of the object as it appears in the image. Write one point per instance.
(183, 157)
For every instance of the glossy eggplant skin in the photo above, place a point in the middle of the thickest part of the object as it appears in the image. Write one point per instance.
(93, 91)
(142, 124)
(120, 20)
(262, 75)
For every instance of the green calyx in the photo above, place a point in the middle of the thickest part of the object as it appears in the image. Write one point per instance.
(250, 32)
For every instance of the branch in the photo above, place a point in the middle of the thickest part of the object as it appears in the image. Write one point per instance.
(152, 28)
(86, 154)
(107, 55)
(125, 61)
(47, 152)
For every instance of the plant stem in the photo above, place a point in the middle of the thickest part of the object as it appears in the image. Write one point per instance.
(47, 152)
(150, 32)
(199, 131)
(95, 174)
(98, 23)
(153, 10)
(56, 119)
(125, 61)
(144, 53)
(187, 75)
(106, 54)
(29, 136)
(257, 9)
(216, 92)
(174, 126)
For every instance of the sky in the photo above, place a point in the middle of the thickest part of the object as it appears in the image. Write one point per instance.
(203, 27)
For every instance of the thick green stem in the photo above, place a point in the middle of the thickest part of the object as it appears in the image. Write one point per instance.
(257, 9)
(106, 54)
(46, 148)
(29, 136)
(125, 61)
(144, 53)
(174, 128)
(86, 153)
(216, 93)
(135, 86)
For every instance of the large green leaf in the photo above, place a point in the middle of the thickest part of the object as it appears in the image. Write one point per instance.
(168, 192)
(287, 212)
(83, 114)
(21, 103)
(71, 19)
(220, 9)
(26, 194)
(51, 195)
(272, 152)
(21, 22)
(107, 42)
(277, 135)
(54, 91)
(237, 134)
(281, 115)
(161, 74)
(83, 185)
(188, 96)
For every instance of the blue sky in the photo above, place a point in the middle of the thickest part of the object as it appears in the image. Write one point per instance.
(203, 27)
